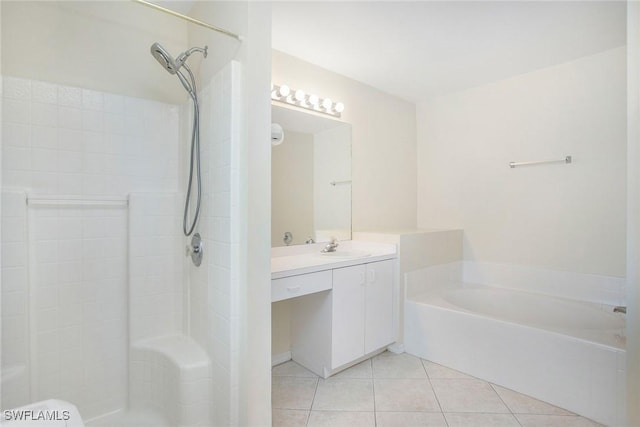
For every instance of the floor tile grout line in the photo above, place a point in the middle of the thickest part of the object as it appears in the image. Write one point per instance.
(482, 412)
(434, 391)
(347, 411)
(393, 378)
(373, 384)
(306, 423)
(533, 413)
(414, 411)
(504, 403)
(312, 401)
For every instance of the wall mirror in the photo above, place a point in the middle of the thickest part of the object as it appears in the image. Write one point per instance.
(310, 178)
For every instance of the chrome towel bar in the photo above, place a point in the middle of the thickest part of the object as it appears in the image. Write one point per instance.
(567, 159)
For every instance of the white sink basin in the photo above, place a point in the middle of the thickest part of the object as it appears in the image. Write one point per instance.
(345, 254)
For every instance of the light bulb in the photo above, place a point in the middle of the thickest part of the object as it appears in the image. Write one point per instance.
(284, 91)
(327, 103)
(299, 95)
(339, 107)
(313, 100)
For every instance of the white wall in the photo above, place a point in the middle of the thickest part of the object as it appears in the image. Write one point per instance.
(213, 286)
(383, 142)
(1, 84)
(112, 53)
(229, 15)
(559, 217)
(213, 315)
(633, 213)
(255, 329)
(236, 293)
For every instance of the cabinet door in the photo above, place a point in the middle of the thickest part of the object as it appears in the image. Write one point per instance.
(379, 305)
(348, 315)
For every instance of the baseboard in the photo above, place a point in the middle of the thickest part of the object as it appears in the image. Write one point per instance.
(396, 348)
(277, 359)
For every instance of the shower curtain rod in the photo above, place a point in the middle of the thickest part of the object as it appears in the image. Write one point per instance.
(188, 18)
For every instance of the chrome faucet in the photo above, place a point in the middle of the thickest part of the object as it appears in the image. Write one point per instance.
(331, 246)
(620, 309)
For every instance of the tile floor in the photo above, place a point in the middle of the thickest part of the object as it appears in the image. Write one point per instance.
(402, 390)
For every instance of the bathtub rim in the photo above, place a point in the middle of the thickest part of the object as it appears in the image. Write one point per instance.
(435, 298)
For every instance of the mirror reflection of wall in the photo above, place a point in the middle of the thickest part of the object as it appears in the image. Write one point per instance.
(292, 188)
(310, 179)
(332, 183)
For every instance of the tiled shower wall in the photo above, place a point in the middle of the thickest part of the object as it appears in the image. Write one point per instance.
(65, 318)
(156, 282)
(78, 282)
(214, 314)
(15, 293)
(68, 141)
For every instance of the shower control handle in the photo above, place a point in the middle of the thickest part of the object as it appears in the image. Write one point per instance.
(195, 249)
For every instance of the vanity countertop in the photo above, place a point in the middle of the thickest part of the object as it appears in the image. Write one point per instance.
(303, 259)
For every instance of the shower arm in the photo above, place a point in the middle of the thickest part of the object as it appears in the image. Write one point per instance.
(181, 60)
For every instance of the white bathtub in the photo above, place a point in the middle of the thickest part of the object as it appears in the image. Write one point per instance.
(564, 352)
(593, 322)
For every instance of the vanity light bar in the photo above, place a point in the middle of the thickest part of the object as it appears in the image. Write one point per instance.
(285, 94)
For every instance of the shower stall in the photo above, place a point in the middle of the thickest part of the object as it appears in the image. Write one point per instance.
(108, 162)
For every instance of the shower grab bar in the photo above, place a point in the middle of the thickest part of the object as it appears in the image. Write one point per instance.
(334, 183)
(53, 201)
(567, 159)
(188, 18)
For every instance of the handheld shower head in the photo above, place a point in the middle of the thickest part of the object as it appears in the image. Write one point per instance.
(188, 81)
(164, 58)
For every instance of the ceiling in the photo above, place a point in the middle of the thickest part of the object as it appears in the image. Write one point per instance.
(421, 49)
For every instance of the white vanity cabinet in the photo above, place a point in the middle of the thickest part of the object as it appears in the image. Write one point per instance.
(362, 316)
(332, 329)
